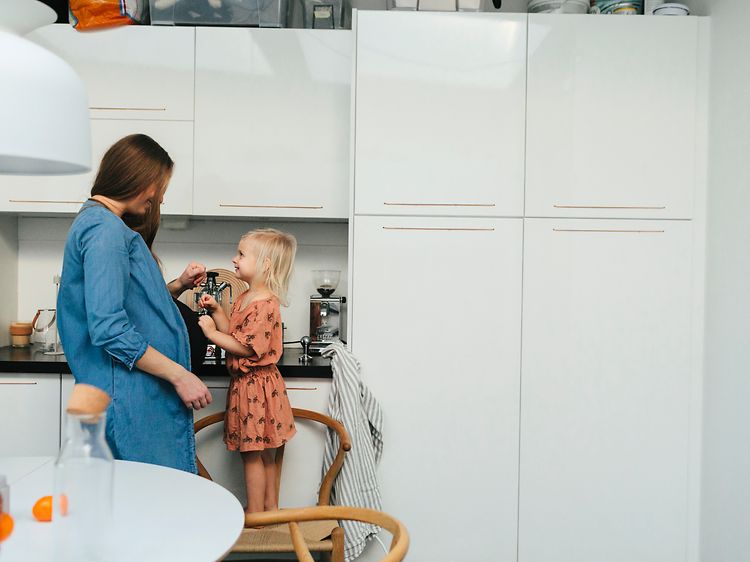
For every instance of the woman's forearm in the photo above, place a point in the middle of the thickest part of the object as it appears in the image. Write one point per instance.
(176, 288)
(159, 365)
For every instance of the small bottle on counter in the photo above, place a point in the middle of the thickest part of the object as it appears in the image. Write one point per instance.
(4, 495)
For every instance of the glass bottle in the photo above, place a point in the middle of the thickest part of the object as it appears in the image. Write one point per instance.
(82, 503)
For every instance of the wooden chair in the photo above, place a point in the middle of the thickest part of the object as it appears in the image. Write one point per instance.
(296, 517)
(320, 535)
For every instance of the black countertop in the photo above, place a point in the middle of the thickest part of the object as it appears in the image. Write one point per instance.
(32, 360)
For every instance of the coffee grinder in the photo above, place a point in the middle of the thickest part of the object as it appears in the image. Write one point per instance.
(327, 312)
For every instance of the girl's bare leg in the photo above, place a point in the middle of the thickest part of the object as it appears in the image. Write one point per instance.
(269, 466)
(255, 481)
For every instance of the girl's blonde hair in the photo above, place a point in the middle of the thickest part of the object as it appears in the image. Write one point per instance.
(278, 249)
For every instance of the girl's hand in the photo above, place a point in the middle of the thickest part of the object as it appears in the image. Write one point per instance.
(208, 325)
(194, 274)
(209, 303)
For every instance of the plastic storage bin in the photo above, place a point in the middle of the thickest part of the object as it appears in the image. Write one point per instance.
(241, 13)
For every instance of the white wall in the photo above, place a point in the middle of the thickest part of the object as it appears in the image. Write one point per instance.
(9, 275)
(726, 442)
(213, 242)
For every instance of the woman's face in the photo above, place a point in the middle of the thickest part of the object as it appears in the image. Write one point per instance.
(141, 203)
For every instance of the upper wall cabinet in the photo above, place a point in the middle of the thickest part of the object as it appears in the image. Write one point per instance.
(65, 194)
(132, 72)
(611, 116)
(440, 104)
(272, 122)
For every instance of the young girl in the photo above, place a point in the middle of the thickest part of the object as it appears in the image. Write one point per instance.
(259, 417)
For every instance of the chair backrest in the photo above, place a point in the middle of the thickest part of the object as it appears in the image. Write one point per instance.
(345, 444)
(399, 543)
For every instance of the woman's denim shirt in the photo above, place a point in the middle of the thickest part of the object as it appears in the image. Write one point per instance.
(113, 303)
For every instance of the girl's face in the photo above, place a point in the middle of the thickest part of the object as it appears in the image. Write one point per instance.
(245, 262)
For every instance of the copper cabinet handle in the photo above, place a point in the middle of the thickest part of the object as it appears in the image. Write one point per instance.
(313, 207)
(300, 388)
(46, 201)
(439, 229)
(128, 108)
(620, 207)
(608, 230)
(391, 204)
(18, 383)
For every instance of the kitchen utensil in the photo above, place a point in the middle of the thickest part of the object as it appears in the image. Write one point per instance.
(19, 333)
(672, 9)
(237, 287)
(326, 281)
(45, 329)
(617, 7)
(327, 320)
(650, 5)
(558, 6)
(305, 357)
(84, 473)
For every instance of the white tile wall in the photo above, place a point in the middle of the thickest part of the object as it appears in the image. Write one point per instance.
(321, 246)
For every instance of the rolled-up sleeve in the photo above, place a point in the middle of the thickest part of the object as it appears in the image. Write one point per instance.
(106, 272)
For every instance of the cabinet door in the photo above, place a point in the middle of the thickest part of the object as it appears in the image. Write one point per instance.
(272, 122)
(440, 102)
(65, 194)
(605, 391)
(303, 457)
(437, 329)
(29, 415)
(611, 118)
(132, 72)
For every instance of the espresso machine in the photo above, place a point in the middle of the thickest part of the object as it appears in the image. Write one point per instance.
(327, 312)
(216, 290)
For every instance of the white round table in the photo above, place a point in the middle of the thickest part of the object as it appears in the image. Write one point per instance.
(159, 513)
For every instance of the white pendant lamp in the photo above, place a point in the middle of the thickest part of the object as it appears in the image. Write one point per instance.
(44, 118)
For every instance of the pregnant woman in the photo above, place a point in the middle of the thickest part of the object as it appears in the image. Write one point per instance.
(119, 326)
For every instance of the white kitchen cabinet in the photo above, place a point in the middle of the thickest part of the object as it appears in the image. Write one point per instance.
(272, 122)
(65, 194)
(131, 72)
(611, 117)
(303, 456)
(29, 415)
(605, 391)
(436, 327)
(440, 109)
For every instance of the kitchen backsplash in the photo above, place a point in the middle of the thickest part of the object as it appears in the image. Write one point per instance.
(213, 242)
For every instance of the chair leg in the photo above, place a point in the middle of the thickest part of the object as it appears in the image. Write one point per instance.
(337, 538)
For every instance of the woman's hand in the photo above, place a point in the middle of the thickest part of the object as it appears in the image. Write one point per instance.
(208, 325)
(209, 303)
(194, 275)
(193, 391)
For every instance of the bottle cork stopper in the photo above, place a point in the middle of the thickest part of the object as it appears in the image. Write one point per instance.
(86, 399)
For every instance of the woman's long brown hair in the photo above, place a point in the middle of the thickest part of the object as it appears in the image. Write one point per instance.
(130, 166)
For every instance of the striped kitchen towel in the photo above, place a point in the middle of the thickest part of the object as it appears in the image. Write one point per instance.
(352, 404)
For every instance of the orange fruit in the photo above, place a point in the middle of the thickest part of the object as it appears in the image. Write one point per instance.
(6, 526)
(42, 509)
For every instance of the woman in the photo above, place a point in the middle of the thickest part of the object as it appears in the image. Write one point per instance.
(118, 324)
